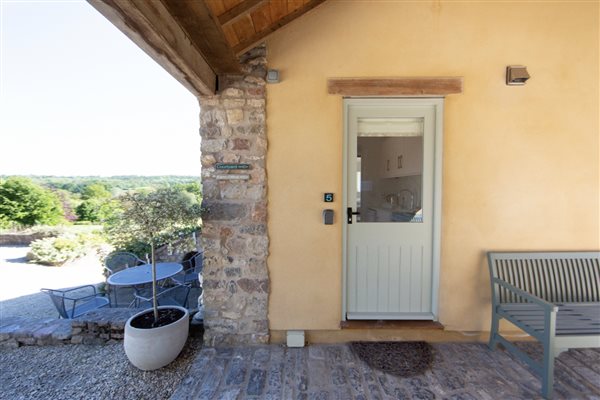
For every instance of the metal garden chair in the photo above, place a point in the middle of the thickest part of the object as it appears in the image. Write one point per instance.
(192, 268)
(118, 261)
(192, 274)
(71, 303)
(172, 296)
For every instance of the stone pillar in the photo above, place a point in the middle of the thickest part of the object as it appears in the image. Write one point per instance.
(234, 235)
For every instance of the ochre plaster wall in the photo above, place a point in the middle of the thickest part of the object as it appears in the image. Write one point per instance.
(521, 164)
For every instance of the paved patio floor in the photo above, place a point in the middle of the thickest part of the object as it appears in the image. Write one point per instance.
(20, 283)
(460, 371)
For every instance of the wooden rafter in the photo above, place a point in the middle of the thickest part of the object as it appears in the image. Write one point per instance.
(197, 40)
(239, 11)
(252, 41)
(154, 30)
(205, 32)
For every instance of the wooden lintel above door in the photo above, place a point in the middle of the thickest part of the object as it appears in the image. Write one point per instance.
(427, 86)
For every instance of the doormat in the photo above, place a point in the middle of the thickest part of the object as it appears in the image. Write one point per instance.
(402, 359)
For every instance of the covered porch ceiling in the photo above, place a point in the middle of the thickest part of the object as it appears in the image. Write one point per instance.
(198, 40)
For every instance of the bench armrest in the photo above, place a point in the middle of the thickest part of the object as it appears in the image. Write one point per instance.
(547, 306)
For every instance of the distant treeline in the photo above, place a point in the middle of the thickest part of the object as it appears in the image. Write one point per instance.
(77, 184)
(51, 200)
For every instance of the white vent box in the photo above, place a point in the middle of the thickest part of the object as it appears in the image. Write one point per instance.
(295, 339)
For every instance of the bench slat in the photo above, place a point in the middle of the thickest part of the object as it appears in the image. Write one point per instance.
(571, 319)
(557, 277)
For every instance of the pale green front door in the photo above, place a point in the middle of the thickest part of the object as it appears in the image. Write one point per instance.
(389, 200)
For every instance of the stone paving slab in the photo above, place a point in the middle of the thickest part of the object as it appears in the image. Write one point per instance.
(461, 371)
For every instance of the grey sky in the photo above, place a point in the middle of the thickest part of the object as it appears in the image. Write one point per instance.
(77, 97)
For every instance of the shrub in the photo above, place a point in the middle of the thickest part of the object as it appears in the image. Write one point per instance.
(56, 251)
(53, 251)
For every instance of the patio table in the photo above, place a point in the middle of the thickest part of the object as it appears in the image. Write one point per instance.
(142, 274)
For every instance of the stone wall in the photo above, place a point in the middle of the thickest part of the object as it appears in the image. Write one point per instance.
(105, 325)
(234, 234)
(23, 239)
(177, 249)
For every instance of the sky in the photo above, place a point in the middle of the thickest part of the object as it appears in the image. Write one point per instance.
(77, 97)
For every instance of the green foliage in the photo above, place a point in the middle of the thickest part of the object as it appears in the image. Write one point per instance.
(92, 199)
(95, 191)
(87, 211)
(44, 251)
(26, 203)
(56, 251)
(115, 184)
(5, 223)
(96, 210)
(154, 217)
(192, 187)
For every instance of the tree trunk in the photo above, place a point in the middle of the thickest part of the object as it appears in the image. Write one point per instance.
(154, 300)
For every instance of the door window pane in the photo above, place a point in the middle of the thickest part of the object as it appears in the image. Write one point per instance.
(389, 169)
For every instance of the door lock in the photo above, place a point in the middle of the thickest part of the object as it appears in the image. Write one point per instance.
(350, 213)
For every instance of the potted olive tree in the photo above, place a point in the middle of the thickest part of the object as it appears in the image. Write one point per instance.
(155, 337)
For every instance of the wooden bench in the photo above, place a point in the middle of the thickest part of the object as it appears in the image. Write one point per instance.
(552, 296)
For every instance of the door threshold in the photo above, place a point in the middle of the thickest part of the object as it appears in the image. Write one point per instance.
(391, 324)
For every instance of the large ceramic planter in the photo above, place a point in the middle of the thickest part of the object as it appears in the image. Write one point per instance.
(149, 349)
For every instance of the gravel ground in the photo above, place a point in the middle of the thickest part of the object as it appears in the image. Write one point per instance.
(20, 278)
(87, 372)
(20, 282)
(71, 371)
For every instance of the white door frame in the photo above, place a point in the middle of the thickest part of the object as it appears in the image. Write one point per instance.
(438, 104)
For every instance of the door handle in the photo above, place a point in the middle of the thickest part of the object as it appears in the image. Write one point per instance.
(350, 213)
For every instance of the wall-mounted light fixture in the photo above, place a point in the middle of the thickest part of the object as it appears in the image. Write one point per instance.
(273, 76)
(516, 75)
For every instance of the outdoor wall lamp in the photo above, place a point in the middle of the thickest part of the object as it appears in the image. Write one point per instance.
(273, 76)
(516, 75)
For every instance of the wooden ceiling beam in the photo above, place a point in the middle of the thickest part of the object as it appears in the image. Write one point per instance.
(245, 7)
(150, 26)
(427, 86)
(251, 42)
(205, 32)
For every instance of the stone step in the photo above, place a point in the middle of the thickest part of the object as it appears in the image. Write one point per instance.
(96, 327)
(104, 325)
(19, 331)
